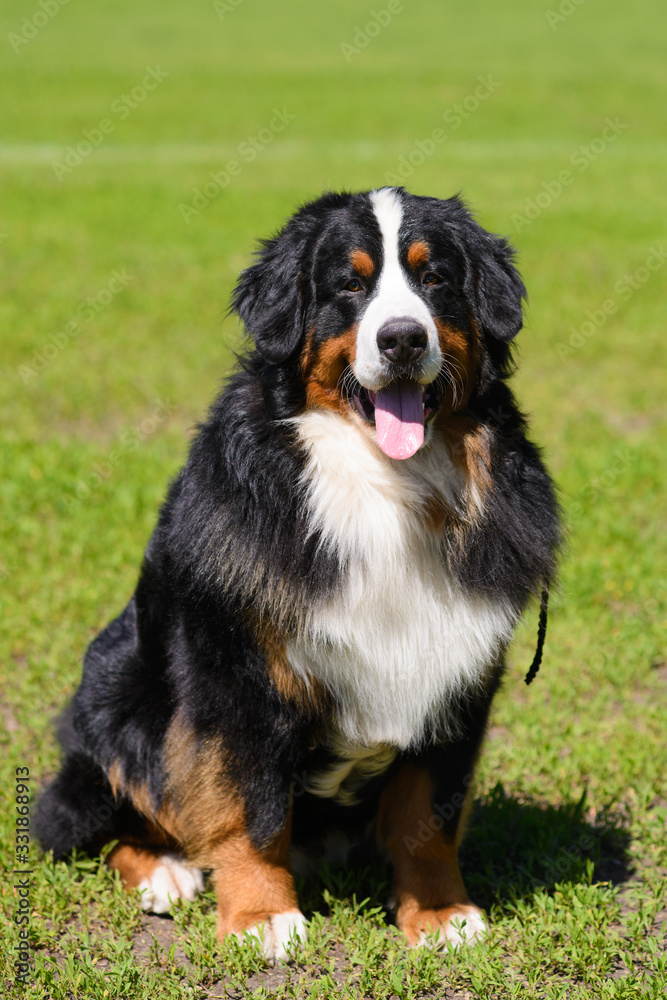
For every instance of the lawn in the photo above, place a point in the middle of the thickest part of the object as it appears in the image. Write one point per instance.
(122, 228)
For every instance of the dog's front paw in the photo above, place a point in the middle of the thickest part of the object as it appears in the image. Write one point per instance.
(172, 878)
(277, 935)
(453, 924)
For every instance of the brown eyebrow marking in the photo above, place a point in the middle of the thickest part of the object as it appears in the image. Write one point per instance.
(362, 262)
(418, 253)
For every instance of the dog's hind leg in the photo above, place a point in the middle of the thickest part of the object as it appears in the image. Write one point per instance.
(78, 809)
(161, 876)
(150, 856)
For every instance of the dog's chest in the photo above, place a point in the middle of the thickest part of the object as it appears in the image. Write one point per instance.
(399, 639)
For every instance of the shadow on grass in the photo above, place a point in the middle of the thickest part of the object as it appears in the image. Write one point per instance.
(513, 849)
(516, 847)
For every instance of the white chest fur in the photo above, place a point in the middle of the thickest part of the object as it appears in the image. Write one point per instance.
(400, 640)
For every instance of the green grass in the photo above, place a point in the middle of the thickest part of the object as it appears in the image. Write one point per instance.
(567, 845)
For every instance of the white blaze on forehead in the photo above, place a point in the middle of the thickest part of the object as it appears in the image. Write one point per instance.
(393, 299)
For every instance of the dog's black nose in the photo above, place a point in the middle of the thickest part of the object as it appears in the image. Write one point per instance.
(402, 341)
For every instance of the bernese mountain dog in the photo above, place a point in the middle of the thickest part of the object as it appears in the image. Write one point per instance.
(324, 607)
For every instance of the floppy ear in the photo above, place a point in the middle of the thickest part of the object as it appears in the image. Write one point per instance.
(270, 297)
(493, 285)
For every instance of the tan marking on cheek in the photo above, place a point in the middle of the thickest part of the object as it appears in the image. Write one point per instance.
(428, 885)
(463, 362)
(323, 367)
(452, 341)
(468, 441)
(362, 263)
(418, 254)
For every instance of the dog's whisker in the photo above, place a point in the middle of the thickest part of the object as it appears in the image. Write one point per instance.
(451, 379)
(342, 383)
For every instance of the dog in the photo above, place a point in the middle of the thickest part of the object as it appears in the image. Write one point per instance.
(321, 620)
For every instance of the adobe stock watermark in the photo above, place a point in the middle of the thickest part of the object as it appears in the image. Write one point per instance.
(31, 26)
(22, 872)
(441, 815)
(581, 159)
(566, 8)
(624, 288)
(567, 860)
(246, 152)
(223, 7)
(600, 654)
(624, 459)
(453, 117)
(121, 108)
(363, 35)
(85, 311)
(130, 440)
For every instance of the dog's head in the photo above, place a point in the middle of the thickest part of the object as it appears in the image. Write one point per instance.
(390, 306)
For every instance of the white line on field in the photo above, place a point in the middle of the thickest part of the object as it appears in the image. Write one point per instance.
(29, 154)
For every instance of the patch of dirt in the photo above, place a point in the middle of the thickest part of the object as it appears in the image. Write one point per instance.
(612, 870)
(631, 423)
(498, 733)
(164, 931)
(10, 722)
(660, 671)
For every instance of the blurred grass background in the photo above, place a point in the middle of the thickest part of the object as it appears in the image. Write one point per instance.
(94, 424)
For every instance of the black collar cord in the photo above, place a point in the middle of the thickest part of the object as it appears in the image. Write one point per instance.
(541, 634)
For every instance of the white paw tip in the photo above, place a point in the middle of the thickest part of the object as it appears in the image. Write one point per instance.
(466, 926)
(278, 934)
(171, 879)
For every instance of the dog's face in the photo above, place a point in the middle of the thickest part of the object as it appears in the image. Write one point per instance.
(393, 307)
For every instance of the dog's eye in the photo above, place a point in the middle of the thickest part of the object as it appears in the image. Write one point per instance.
(431, 278)
(353, 285)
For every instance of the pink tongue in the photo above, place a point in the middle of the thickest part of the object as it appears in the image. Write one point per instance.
(399, 419)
